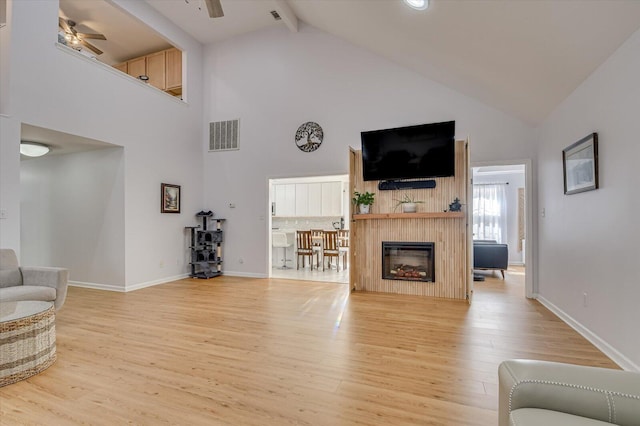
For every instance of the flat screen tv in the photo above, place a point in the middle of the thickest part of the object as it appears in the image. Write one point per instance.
(412, 152)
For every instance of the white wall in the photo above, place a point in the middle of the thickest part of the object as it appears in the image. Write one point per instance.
(72, 213)
(161, 136)
(516, 180)
(275, 80)
(5, 44)
(10, 184)
(589, 242)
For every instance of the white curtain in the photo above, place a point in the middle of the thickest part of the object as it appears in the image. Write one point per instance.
(490, 213)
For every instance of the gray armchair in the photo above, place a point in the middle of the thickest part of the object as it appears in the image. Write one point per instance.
(551, 393)
(488, 254)
(31, 283)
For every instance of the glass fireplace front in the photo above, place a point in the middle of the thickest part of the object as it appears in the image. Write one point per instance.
(408, 261)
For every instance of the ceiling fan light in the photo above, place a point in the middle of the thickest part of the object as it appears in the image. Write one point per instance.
(417, 4)
(32, 149)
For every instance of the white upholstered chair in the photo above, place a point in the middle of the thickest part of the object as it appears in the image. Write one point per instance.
(31, 283)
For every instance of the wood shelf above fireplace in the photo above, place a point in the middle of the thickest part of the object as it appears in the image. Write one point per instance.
(426, 215)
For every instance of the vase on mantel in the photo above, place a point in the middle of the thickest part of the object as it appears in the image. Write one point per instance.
(364, 208)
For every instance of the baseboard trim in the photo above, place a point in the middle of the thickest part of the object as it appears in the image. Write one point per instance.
(127, 288)
(244, 274)
(165, 280)
(622, 361)
(97, 286)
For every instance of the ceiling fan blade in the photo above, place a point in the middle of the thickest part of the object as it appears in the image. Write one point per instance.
(63, 24)
(92, 36)
(91, 47)
(215, 8)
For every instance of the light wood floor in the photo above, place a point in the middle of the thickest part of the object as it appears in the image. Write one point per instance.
(234, 351)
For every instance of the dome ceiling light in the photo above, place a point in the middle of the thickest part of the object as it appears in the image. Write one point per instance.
(33, 149)
(417, 4)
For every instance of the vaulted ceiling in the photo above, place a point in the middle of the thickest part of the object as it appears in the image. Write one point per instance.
(519, 56)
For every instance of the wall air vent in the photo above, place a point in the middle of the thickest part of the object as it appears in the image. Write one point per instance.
(224, 135)
(275, 15)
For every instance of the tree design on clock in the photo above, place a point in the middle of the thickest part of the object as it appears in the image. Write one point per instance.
(309, 136)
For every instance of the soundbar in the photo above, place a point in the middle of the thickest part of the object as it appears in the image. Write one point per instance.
(387, 185)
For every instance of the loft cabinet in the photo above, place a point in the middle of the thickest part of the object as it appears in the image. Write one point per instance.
(156, 70)
(122, 67)
(163, 68)
(152, 66)
(137, 67)
(308, 199)
(173, 70)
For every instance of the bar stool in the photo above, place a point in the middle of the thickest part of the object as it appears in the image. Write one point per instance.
(279, 240)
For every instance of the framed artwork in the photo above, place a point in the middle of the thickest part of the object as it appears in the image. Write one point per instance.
(170, 198)
(309, 136)
(580, 165)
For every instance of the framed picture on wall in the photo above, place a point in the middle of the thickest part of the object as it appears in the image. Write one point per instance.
(170, 198)
(580, 165)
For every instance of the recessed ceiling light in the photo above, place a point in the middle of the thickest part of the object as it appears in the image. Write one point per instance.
(32, 149)
(417, 4)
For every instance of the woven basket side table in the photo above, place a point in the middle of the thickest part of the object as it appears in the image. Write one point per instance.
(27, 339)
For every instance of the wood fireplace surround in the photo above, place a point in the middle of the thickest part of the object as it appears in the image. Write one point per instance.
(448, 231)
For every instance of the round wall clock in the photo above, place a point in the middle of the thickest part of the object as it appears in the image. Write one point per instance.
(309, 136)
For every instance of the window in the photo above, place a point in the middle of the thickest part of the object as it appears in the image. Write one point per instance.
(490, 213)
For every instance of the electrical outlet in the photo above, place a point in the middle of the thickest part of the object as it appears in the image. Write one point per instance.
(3, 213)
(543, 212)
(584, 299)
(241, 261)
(161, 264)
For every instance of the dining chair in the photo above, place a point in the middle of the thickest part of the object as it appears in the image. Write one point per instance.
(317, 236)
(330, 248)
(343, 246)
(304, 248)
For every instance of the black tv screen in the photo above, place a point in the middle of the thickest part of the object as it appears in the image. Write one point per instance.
(422, 151)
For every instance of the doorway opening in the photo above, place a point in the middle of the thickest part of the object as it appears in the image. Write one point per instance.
(502, 221)
(72, 207)
(318, 203)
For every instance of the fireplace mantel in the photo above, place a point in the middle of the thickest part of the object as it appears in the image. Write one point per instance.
(425, 215)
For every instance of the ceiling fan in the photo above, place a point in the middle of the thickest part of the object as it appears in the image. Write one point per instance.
(213, 7)
(75, 38)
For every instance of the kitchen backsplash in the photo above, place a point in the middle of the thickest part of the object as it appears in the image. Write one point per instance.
(306, 223)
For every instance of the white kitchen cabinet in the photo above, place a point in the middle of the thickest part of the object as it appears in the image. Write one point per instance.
(308, 199)
(302, 199)
(314, 191)
(285, 197)
(331, 199)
